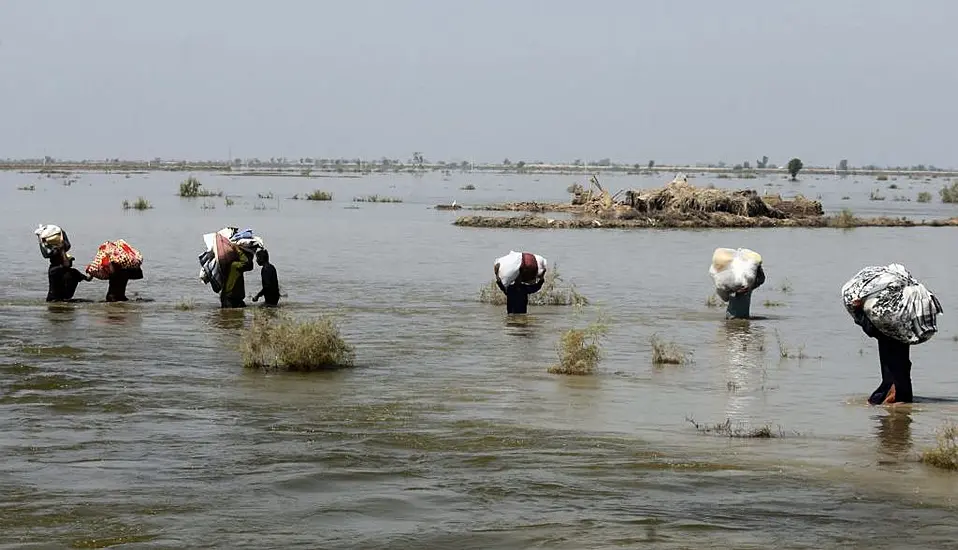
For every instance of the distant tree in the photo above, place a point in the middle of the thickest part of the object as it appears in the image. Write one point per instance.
(464, 165)
(762, 163)
(507, 162)
(577, 162)
(651, 164)
(737, 168)
(521, 165)
(237, 162)
(604, 162)
(794, 166)
(843, 165)
(636, 166)
(418, 160)
(746, 165)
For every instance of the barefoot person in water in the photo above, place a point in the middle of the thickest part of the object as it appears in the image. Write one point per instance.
(895, 363)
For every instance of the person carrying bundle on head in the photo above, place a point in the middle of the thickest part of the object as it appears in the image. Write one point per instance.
(518, 275)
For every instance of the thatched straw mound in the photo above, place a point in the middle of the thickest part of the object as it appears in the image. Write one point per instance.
(683, 197)
(797, 207)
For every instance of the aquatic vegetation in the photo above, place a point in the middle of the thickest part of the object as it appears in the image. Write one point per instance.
(711, 301)
(949, 194)
(468, 187)
(945, 454)
(785, 352)
(786, 286)
(208, 205)
(924, 196)
(742, 430)
(27, 188)
(318, 196)
(376, 198)
(229, 202)
(259, 206)
(138, 204)
(185, 305)
(192, 188)
(579, 351)
(846, 198)
(876, 196)
(881, 177)
(771, 303)
(291, 345)
(553, 292)
(846, 219)
(267, 196)
(667, 352)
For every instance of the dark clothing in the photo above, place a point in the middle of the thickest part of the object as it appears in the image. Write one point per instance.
(234, 291)
(739, 305)
(63, 282)
(116, 292)
(270, 291)
(895, 363)
(517, 295)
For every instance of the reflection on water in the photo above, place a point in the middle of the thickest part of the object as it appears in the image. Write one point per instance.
(743, 341)
(894, 430)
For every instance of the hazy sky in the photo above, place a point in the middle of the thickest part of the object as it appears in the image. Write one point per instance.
(874, 81)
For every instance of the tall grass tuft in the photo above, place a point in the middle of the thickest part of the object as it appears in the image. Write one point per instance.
(319, 196)
(579, 351)
(554, 292)
(290, 345)
(924, 196)
(192, 188)
(138, 204)
(666, 352)
(945, 454)
(949, 194)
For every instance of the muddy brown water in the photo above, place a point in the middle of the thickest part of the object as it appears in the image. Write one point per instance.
(135, 425)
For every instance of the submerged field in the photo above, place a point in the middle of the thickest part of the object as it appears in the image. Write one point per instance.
(137, 423)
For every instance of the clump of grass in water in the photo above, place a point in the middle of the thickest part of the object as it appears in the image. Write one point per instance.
(924, 196)
(229, 202)
(876, 196)
(945, 454)
(846, 198)
(138, 204)
(881, 177)
(267, 196)
(726, 429)
(785, 353)
(208, 206)
(27, 188)
(552, 293)
(786, 286)
(469, 187)
(770, 303)
(185, 305)
(846, 219)
(318, 196)
(949, 194)
(579, 351)
(711, 301)
(376, 198)
(192, 188)
(667, 352)
(290, 345)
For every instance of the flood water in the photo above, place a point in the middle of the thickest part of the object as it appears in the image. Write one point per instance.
(136, 425)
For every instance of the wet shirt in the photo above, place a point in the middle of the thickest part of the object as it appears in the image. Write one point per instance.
(63, 282)
(517, 295)
(270, 284)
